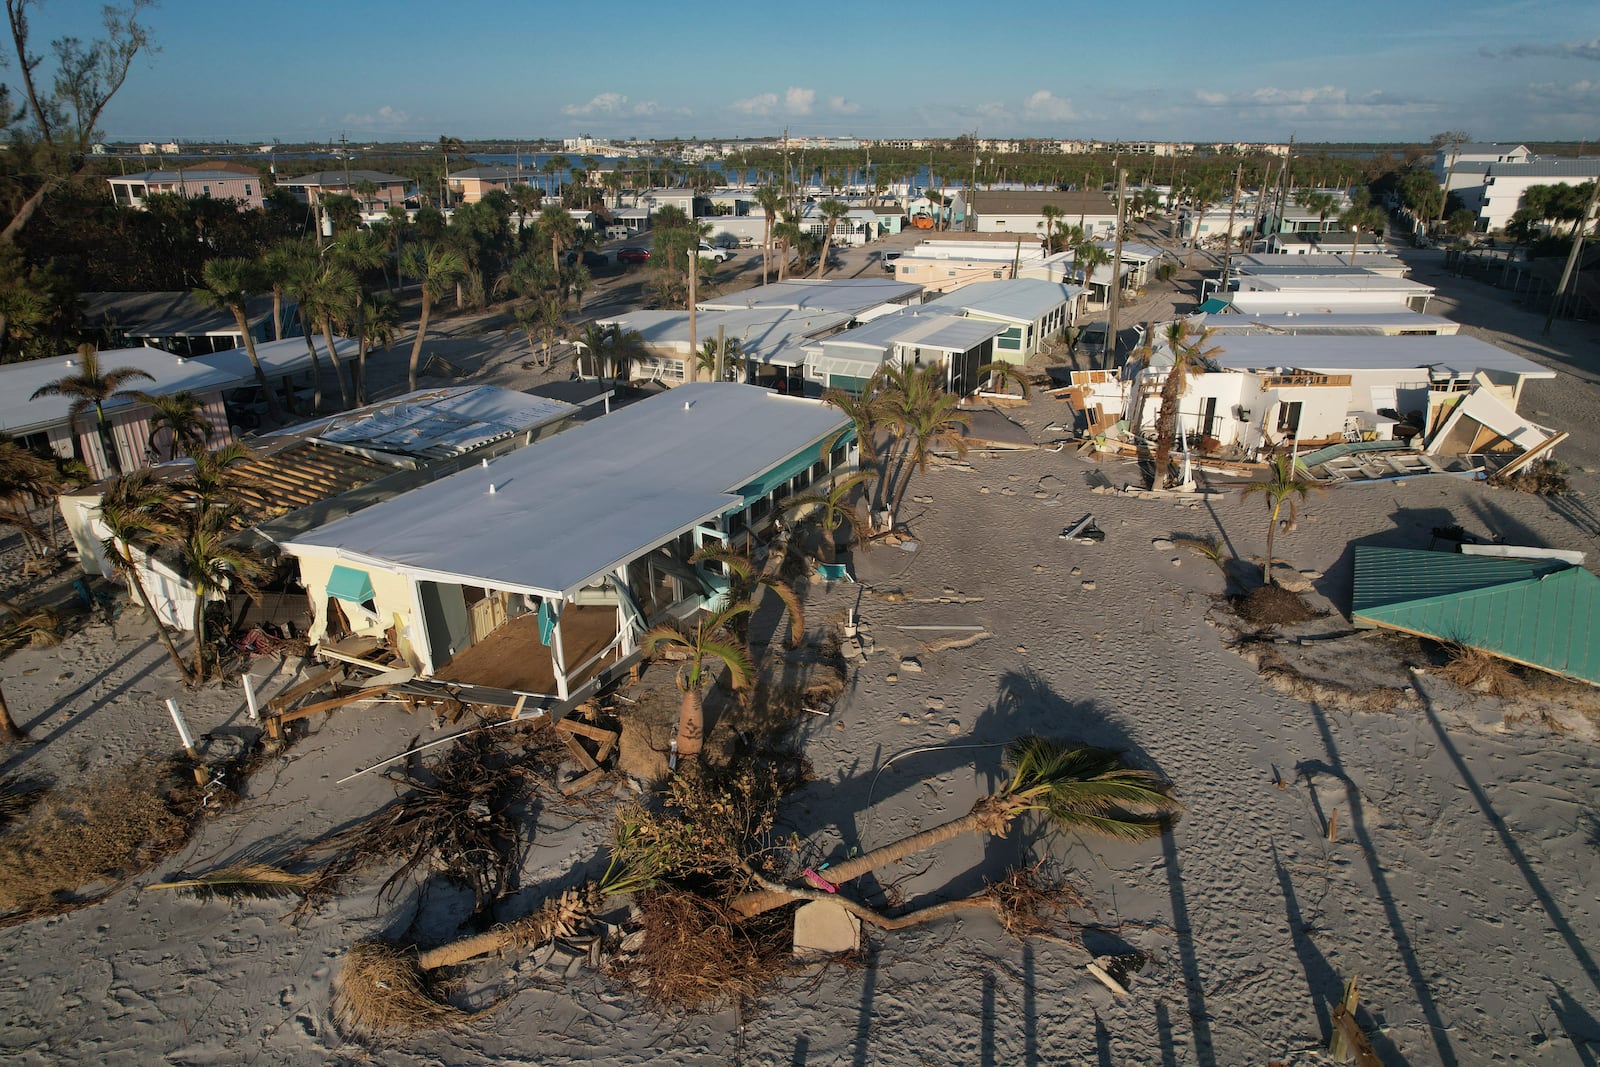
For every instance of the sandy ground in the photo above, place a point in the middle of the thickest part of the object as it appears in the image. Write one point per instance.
(1460, 887)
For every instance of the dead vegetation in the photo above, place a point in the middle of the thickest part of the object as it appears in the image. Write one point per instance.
(1272, 605)
(77, 843)
(1478, 671)
(696, 955)
(1029, 905)
(1544, 478)
(380, 994)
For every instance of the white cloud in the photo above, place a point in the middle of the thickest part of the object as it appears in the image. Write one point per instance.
(1315, 102)
(798, 101)
(1046, 106)
(603, 104)
(385, 118)
(1564, 50)
(840, 106)
(762, 104)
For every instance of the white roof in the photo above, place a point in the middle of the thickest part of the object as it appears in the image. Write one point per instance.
(759, 331)
(1459, 355)
(1288, 263)
(1017, 299)
(435, 423)
(923, 329)
(1354, 319)
(568, 509)
(1314, 282)
(851, 295)
(228, 369)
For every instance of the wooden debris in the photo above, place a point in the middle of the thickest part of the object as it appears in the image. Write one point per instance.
(1349, 1041)
(292, 696)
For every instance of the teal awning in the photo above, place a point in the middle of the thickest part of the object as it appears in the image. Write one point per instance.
(1214, 306)
(347, 583)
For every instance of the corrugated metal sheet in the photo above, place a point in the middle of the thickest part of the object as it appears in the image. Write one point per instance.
(1396, 575)
(1551, 622)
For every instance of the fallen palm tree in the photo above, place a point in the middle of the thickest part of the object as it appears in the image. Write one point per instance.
(385, 991)
(1077, 788)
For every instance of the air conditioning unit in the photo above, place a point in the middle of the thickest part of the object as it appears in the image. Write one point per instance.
(1241, 413)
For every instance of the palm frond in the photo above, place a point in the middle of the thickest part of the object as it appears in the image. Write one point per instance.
(1088, 788)
(244, 881)
(791, 600)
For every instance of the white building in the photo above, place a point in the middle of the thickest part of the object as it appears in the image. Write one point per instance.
(1031, 311)
(1467, 161)
(1503, 185)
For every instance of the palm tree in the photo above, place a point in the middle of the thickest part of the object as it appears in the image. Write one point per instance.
(612, 348)
(1320, 202)
(1189, 356)
(1362, 215)
(361, 252)
(557, 226)
(1283, 486)
(201, 517)
(1051, 213)
(703, 644)
(770, 197)
(183, 417)
(832, 212)
(439, 268)
(1001, 372)
(227, 285)
(213, 566)
(447, 144)
(90, 387)
(744, 584)
(1086, 256)
(1204, 194)
(299, 270)
(275, 267)
(786, 233)
(526, 199)
(135, 508)
(924, 419)
(330, 298)
(830, 510)
(866, 411)
(380, 325)
(27, 481)
(1077, 788)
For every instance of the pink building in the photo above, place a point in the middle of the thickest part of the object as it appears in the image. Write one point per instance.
(242, 187)
(373, 190)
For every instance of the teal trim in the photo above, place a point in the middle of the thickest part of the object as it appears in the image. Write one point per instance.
(792, 466)
(347, 583)
(547, 621)
(848, 383)
(1214, 306)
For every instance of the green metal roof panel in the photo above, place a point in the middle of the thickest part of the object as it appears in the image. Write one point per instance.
(1347, 448)
(1215, 305)
(1551, 622)
(1395, 575)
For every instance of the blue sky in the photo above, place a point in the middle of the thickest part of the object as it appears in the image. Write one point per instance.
(1361, 70)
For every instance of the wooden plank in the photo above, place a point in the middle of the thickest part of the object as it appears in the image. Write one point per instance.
(333, 703)
(593, 733)
(294, 695)
(606, 748)
(581, 754)
(578, 785)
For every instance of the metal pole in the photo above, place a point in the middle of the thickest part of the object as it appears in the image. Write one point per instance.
(250, 696)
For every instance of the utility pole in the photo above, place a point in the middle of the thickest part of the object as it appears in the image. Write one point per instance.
(1578, 233)
(1227, 241)
(1116, 272)
(1261, 203)
(1444, 194)
(694, 277)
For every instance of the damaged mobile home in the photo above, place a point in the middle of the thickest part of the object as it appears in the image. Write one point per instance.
(526, 581)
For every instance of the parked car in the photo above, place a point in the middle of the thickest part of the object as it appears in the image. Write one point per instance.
(633, 254)
(713, 253)
(888, 259)
(591, 258)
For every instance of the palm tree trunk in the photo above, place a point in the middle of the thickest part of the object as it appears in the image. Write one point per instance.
(422, 332)
(316, 363)
(161, 628)
(1166, 422)
(822, 260)
(273, 411)
(277, 313)
(338, 368)
(107, 445)
(691, 724)
(10, 732)
(199, 638)
(1272, 529)
(988, 814)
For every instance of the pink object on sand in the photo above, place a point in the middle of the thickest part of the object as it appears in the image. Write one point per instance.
(820, 882)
